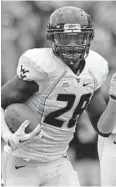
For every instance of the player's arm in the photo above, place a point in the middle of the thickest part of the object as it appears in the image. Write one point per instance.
(107, 121)
(99, 71)
(95, 109)
(86, 133)
(17, 90)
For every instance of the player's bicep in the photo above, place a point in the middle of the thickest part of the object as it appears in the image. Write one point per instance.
(17, 90)
(95, 110)
(97, 105)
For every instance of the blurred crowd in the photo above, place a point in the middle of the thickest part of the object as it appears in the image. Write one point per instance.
(23, 26)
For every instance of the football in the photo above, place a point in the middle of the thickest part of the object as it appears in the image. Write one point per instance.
(17, 113)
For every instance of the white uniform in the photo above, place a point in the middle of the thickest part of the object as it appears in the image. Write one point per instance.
(107, 146)
(107, 157)
(61, 98)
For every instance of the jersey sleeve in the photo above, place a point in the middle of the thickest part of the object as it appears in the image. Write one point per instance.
(98, 69)
(29, 70)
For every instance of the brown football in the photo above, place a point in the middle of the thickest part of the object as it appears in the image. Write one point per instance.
(17, 113)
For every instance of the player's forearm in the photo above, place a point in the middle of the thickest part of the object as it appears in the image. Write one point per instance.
(107, 121)
(84, 119)
(5, 132)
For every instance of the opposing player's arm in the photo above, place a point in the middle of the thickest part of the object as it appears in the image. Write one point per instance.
(107, 121)
(17, 90)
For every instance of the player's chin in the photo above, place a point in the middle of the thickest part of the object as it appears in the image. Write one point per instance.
(73, 63)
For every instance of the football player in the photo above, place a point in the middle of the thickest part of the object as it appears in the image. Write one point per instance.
(58, 83)
(107, 146)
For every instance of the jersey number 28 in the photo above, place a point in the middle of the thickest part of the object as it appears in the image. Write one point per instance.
(69, 98)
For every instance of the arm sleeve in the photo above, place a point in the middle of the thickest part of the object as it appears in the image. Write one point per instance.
(97, 68)
(30, 70)
(99, 71)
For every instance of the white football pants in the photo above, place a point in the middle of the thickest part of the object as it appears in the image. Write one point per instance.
(107, 157)
(18, 172)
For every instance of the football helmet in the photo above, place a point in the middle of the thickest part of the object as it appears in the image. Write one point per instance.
(70, 31)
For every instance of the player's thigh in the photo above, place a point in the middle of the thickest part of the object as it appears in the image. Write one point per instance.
(18, 172)
(65, 175)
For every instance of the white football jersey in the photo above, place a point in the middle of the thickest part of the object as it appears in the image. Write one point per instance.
(97, 68)
(61, 98)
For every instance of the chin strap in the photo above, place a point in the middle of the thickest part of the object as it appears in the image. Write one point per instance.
(81, 65)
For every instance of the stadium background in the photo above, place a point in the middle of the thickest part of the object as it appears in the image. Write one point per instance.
(23, 26)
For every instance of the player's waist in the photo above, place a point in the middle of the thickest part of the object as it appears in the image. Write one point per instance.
(46, 147)
(43, 150)
(37, 156)
(52, 145)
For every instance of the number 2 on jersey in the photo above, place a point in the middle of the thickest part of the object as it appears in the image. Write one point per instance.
(69, 98)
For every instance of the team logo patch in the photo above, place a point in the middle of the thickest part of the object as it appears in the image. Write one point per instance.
(23, 72)
(78, 80)
(65, 84)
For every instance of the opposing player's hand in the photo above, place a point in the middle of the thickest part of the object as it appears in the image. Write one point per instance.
(112, 91)
(20, 138)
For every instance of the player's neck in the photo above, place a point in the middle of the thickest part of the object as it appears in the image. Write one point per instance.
(78, 66)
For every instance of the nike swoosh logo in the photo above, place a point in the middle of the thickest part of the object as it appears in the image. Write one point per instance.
(114, 142)
(17, 167)
(21, 141)
(85, 84)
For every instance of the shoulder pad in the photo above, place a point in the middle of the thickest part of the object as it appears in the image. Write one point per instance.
(97, 67)
(37, 64)
(29, 68)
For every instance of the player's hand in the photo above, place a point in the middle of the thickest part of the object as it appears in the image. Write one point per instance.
(112, 91)
(20, 138)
